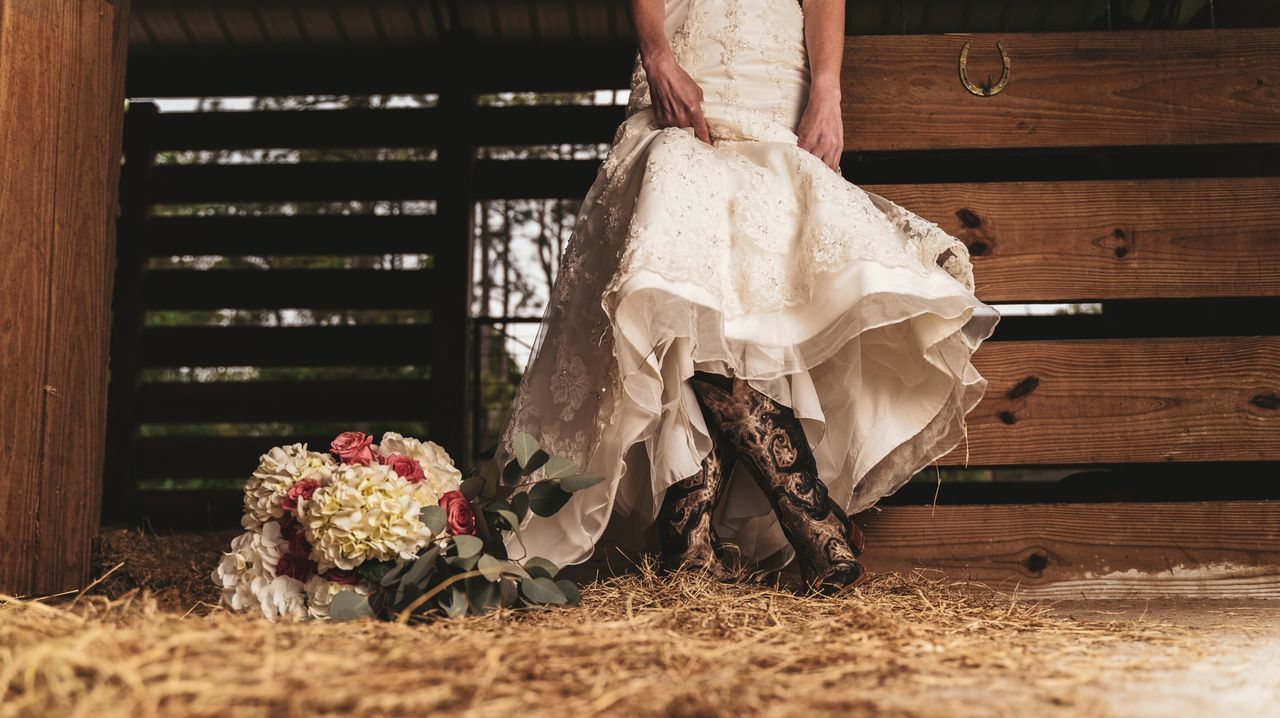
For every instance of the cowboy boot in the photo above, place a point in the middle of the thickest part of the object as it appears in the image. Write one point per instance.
(769, 438)
(684, 521)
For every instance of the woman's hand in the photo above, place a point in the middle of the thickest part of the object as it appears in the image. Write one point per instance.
(821, 128)
(676, 98)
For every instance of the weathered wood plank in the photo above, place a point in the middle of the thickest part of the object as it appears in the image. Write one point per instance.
(314, 288)
(1228, 549)
(361, 127)
(1065, 89)
(60, 101)
(1117, 401)
(257, 401)
(383, 344)
(1124, 239)
(291, 235)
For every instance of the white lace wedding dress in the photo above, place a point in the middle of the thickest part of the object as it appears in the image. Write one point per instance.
(753, 258)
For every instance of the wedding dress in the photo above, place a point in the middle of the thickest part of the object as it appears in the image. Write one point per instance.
(747, 257)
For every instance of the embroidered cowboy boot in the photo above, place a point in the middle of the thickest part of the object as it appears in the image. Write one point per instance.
(684, 521)
(769, 438)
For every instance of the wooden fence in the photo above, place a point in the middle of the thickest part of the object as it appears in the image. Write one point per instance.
(1135, 169)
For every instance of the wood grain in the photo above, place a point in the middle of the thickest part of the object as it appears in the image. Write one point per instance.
(1227, 549)
(61, 83)
(1126, 400)
(1082, 89)
(1118, 239)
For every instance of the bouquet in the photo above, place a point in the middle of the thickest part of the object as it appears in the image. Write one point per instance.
(392, 530)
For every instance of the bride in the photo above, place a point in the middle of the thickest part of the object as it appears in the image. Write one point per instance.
(745, 345)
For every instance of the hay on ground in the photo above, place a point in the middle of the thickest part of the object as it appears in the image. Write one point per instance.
(641, 644)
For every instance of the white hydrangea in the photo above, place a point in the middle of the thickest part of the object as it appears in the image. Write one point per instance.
(441, 475)
(320, 593)
(247, 575)
(283, 598)
(363, 513)
(279, 469)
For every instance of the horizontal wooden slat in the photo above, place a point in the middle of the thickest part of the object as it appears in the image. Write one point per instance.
(1065, 89)
(386, 345)
(495, 179)
(1122, 400)
(217, 402)
(292, 236)
(1124, 239)
(313, 288)
(1207, 549)
(295, 182)
(419, 127)
(511, 67)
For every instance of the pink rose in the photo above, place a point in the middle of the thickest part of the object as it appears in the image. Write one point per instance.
(406, 467)
(460, 519)
(352, 447)
(299, 491)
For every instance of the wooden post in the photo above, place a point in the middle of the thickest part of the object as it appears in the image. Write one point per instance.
(450, 421)
(61, 103)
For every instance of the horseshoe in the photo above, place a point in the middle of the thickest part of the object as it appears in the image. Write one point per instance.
(986, 89)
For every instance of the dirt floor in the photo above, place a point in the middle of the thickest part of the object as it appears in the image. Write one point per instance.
(149, 642)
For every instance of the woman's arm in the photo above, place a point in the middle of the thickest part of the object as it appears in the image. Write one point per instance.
(821, 129)
(676, 98)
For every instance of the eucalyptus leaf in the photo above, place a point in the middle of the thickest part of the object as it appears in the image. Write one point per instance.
(456, 604)
(520, 505)
(509, 591)
(511, 568)
(435, 518)
(579, 482)
(348, 606)
(392, 576)
(541, 590)
(490, 567)
(559, 467)
(471, 487)
(525, 446)
(467, 545)
(483, 595)
(546, 498)
(464, 563)
(539, 566)
(535, 462)
(511, 473)
(419, 573)
(513, 521)
(570, 589)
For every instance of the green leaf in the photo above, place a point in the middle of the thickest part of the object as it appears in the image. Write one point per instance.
(559, 467)
(525, 446)
(467, 545)
(513, 521)
(490, 473)
(535, 462)
(570, 589)
(520, 505)
(539, 566)
(546, 498)
(510, 592)
(541, 590)
(579, 482)
(456, 603)
(511, 473)
(490, 567)
(483, 595)
(419, 574)
(349, 606)
(391, 577)
(434, 517)
(511, 568)
(463, 563)
(471, 487)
